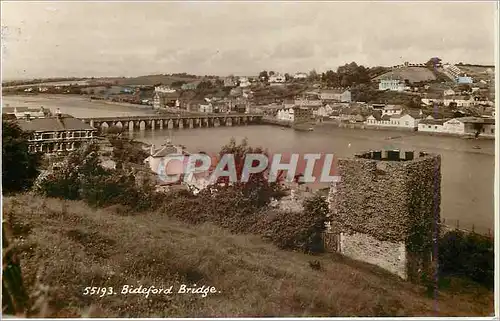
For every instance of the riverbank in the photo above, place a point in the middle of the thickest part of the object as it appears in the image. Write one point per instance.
(361, 126)
(251, 277)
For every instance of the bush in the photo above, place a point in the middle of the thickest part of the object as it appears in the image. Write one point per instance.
(19, 167)
(83, 178)
(467, 254)
(298, 230)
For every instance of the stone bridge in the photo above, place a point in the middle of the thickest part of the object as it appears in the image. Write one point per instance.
(172, 121)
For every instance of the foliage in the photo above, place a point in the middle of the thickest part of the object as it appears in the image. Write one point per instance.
(263, 75)
(258, 188)
(467, 254)
(19, 167)
(127, 150)
(83, 177)
(72, 246)
(298, 230)
(346, 76)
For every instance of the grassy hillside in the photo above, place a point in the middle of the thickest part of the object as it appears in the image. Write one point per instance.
(69, 246)
(413, 74)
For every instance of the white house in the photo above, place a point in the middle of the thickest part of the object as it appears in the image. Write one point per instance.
(164, 89)
(432, 125)
(449, 92)
(391, 84)
(431, 101)
(392, 110)
(277, 79)
(285, 115)
(24, 112)
(459, 101)
(454, 126)
(300, 75)
(244, 82)
(399, 121)
(320, 112)
(206, 108)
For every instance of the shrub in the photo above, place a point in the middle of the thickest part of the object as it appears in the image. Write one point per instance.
(294, 230)
(19, 167)
(82, 177)
(467, 254)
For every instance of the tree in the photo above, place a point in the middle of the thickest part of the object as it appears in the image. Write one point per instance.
(257, 189)
(313, 75)
(263, 76)
(433, 63)
(287, 77)
(19, 167)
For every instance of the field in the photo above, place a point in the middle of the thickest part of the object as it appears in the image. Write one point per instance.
(69, 246)
(413, 74)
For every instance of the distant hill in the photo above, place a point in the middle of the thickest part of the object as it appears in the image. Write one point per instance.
(413, 74)
(150, 80)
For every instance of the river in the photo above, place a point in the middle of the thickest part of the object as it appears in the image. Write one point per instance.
(467, 173)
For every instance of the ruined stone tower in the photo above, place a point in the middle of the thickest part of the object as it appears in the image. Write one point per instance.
(386, 210)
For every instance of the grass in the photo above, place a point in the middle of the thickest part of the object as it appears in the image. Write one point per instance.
(68, 246)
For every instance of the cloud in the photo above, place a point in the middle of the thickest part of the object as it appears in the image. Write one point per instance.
(76, 38)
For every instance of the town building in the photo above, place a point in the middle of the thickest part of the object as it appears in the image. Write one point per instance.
(336, 95)
(465, 80)
(391, 84)
(452, 70)
(244, 82)
(320, 112)
(385, 210)
(449, 92)
(300, 75)
(56, 134)
(206, 108)
(285, 115)
(164, 100)
(392, 110)
(164, 89)
(23, 112)
(404, 121)
(308, 102)
(190, 86)
(168, 163)
(230, 82)
(459, 101)
(430, 125)
(277, 79)
(302, 116)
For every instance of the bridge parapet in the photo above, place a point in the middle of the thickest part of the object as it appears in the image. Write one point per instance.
(169, 121)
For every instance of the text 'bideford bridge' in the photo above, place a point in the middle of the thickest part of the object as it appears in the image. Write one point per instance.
(173, 121)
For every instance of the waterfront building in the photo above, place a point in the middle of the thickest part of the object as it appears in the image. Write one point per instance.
(405, 121)
(23, 112)
(61, 133)
(285, 115)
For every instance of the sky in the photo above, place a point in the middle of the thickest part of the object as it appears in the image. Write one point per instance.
(84, 39)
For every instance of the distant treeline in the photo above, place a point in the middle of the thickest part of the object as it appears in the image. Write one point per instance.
(39, 80)
(472, 65)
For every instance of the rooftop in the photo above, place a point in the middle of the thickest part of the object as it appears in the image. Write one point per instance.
(65, 122)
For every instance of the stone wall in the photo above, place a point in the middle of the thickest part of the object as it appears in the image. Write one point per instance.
(395, 201)
(387, 255)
